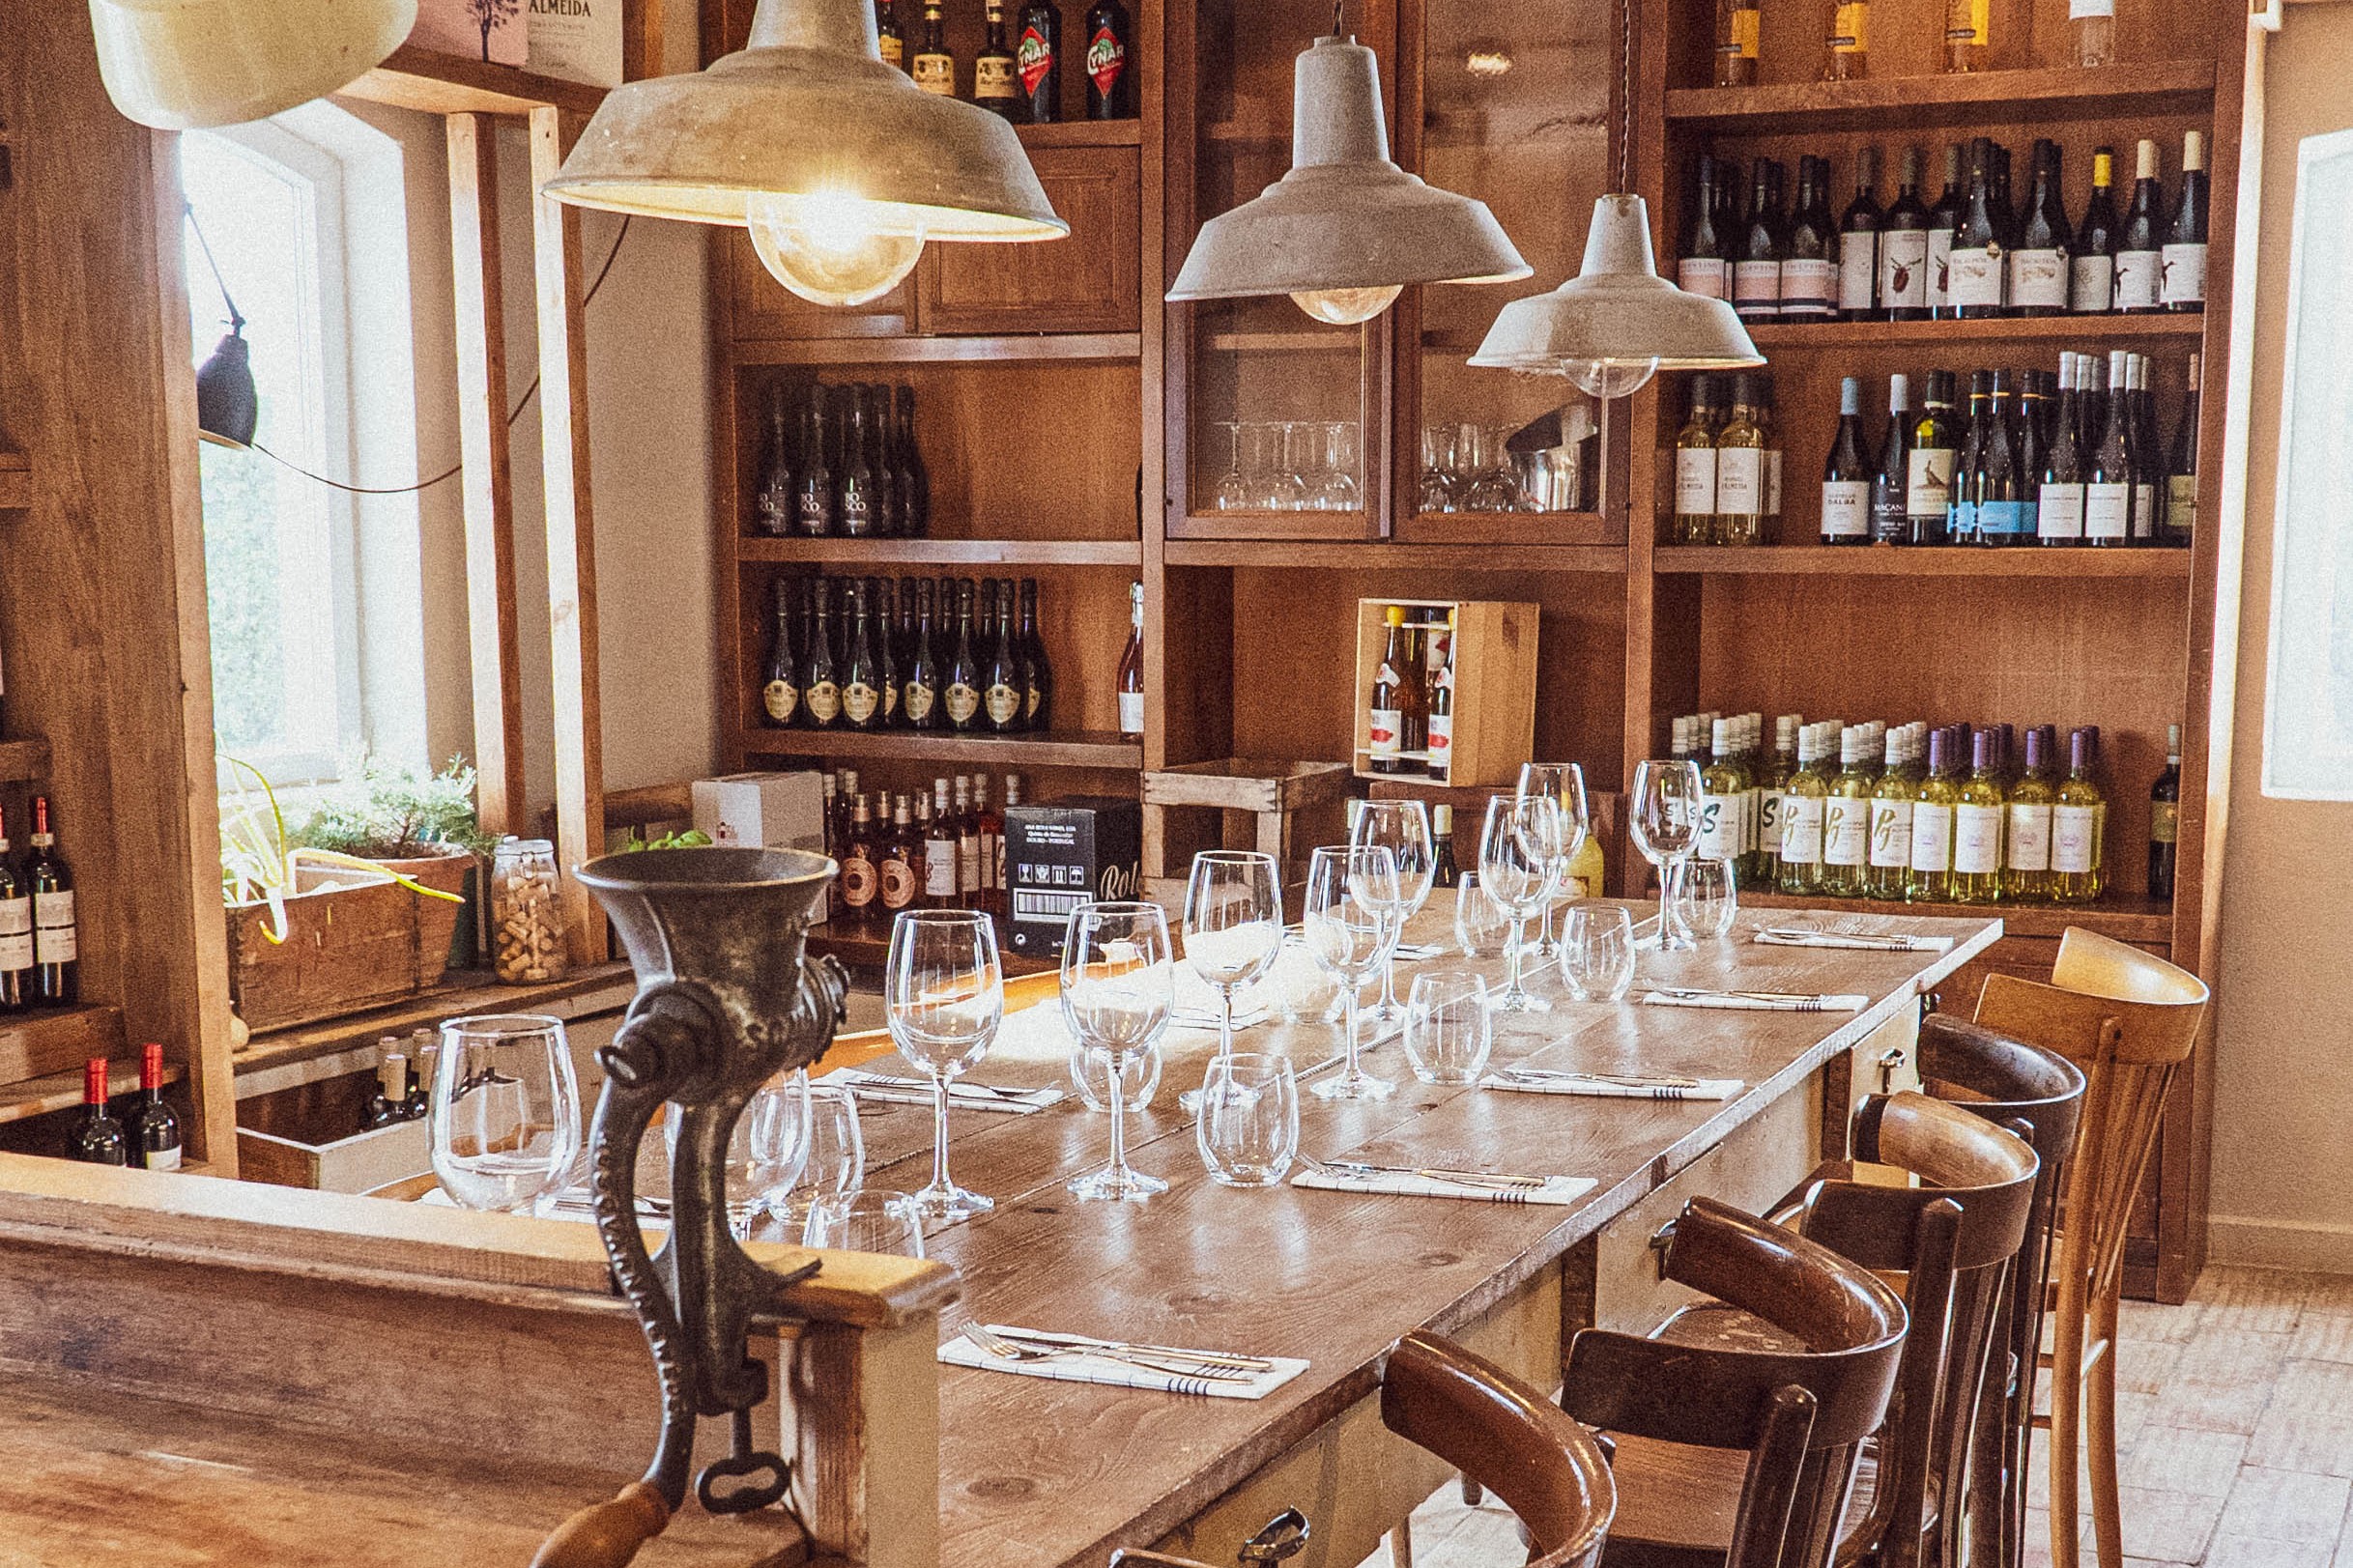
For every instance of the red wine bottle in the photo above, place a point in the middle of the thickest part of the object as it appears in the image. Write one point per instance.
(155, 1130)
(97, 1138)
(56, 967)
(16, 935)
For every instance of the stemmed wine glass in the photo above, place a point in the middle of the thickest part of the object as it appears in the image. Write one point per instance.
(1520, 850)
(1233, 496)
(1337, 492)
(829, 1161)
(944, 988)
(1233, 930)
(1350, 931)
(1118, 976)
(506, 1110)
(765, 1148)
(1402, 827)
(1664, 826)
(1564, 781)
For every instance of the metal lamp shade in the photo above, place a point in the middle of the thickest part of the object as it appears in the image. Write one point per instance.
(189, 65)
(1345, 217)
(807, 108)
(227, 405)
(1618, 310)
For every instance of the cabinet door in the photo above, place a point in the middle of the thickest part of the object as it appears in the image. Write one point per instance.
(1084, 283)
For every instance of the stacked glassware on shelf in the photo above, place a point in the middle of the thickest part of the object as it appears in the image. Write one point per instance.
(1290, 465)
(1539, 466)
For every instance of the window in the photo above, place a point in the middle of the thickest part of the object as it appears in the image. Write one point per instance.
(2307, 743)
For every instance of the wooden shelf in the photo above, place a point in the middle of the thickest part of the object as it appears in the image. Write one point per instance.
(1384, 554)
(413, 78)
(909, 350)
(2148, 88)
(1306, 340)
(1126, 552)
(1892, 560)
(16, 481)
(69, 1034)
(2127, 920)
(1059, 749)
(1084, 133)
(2066, 330)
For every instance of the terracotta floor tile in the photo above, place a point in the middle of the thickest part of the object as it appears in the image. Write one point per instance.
(2154, 1323)
(2308, 1424)
(2169, 1527)
(2255, 1551)
(2323, 1336)
(2284, 1505)
(2264, 1299)
(2184, 1458)
(2143, 1366)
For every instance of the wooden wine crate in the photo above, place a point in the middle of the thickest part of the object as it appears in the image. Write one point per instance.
(1495, 685)
(309, 1136)
(1261, 804)
(351, 943)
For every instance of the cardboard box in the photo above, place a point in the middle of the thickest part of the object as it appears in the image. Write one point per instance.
(1064, 853)
(1495, 685)
(764, 810)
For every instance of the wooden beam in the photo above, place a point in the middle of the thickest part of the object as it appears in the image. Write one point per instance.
(493, 626)
(571, 531)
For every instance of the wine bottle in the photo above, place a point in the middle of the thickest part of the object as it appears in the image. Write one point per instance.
(2182, 256)
(775, 499)
(1438, 669)
(1706, 269)
(887, 652)
(2029, 435)
(56, 950)
(1809, 277)
(1977, 826)
(155, 1131)
(1037, 671)
(1695, 467)
(1890, 475)
(861, 673)
(1756, 273)
(97, 1138)
(1859, 240)
(861, 876)
(1848, 53)
(1967, 34)
(2094, 25)
(820, 673)
(914, 479)
(934, 66)
(2076, 822)
(1038, 58)
(2165, 820)
(889, 36)
(1740, 504)
(1802, 811)
(1846, 833)
(780, 698)
(992, 844)
(1772, 779)
(1385, 730)
(2000, 487)
(1961, 525)
(919, 685)
(2141, 246)
(2108, 492)
(819, 518)
(2038, 266)
(1942, 219)
(2059, 505)
(1928, 490)
(2026, 861)
(900, 868)
(1131, 682)
(1001, 684)
(939, 853)
(1444, 870)
(19, 984)
(389, 1104)
(424, 1061)
(2181, 477)
(890, 491)
(1932, 824)
(2141, 431)
(1975, 269)
(854, 488)
(1110, 76)
(2091, 289)
(1845, 480)
(962, 694)
(1892, 799)
(997, 83)
(1736, 32)
(1723, 787)
(1903, 245)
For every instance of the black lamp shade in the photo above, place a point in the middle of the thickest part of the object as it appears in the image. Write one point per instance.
(227, 407)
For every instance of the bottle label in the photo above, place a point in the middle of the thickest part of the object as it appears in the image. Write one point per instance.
(776, 511)
(53, 926)
(1850, 27)
(1383, 734)
(2137, 276)
(992, 856)
(1034, 57)
(1131, 713)
(993, 77)
(2030, 838)
(1773, 482)
(1740, 481)
(1708, 277)
(917, 700)
(857, 881)
(1756, 287)
(2039, 278)
(2145, 512)
(939, 868)
(2184, 269)
(1809, 286)
(936, 73)
(2001, 519)
(1929, 491)
(1974, 277)
(1858, 272)
(2165, 821)
(1940, 268)
(859, 702)
(897, 883)
(2073, 832)
(2060, 515)
(161, 1159)
(968, 862)
(1720, 826)
(780, 698)
(1846, 832)
(2079, 11)
(963, 701)
(1695, 481)
(1106, 58)
(2181, 505)
(2107, 511)
(1004, 704)
(1767, 815)
(1845, 510)
(1442, 744)
(894, 51)
(1744, 31)
(1932, 838)
(1891, 833)
(15, 934)
(2091, 291)
(1979, 25)
(1904, 269)
(823, 700)
(1033, 698)
(1977, 840)
(1802, 829)
(816, 513)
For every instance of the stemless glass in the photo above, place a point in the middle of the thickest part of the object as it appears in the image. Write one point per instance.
(1249, 1131)
(1232, 495)
(1350, 931)
(1598, 952)
(1520, 851)
(1564, 781)
(1233, 925)
(889, 1222)
(1117, 988)
(1664, 826)
(831, 1160)
(944, 990)
(1707, 897)
(1402, 827)
(1482, 927)
(506, 1110)
(765, 1148)
(1449, 1030)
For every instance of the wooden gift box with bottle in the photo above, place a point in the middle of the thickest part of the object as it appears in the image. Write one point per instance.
(1491, 664)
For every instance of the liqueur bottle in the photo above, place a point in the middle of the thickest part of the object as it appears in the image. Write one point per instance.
(1736, 33)
(1967, 34)
(889, 35)
(1038, 58)
(996, 81)
(1110, 62)
(934, 69)
(1849, 52)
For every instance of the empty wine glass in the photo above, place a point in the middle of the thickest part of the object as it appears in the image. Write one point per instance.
(1118, 976)
(1520, 850)
(1439, 486)
(1248, 1129)
(1664, 826)
(1565, 783)
(1449, 1030)
(1598, 952)
(506, 1110)
(1402, 827)
(1482, 927)
(1233, 925)
(1290, 487)
(1350, 931)
(765, 1148)
(832, 1156)
(1707, 897)
(1262, 465)
(944, 992)
(1490, 487)
(889, 1222)
(1139, 1076)
(1336, 488)
(1232, 495)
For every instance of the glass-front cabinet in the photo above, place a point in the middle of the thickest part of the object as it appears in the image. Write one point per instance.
(1287, 427)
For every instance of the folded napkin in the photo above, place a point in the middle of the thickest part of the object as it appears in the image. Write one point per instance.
(1600, 1089)
(1098, 1369)
(1419, 951)
(1556, 1191)
(1246, 1016)
(963, 1097)
(1757, 1001)
(1795, 936)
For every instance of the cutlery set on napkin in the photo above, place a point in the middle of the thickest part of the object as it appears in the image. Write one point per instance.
(1032, 1353)
(962, 1095)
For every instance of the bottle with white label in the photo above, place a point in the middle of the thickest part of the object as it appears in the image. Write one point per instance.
(1802, 801)
(1739, 503)
(1846, 828)
(1130, 681)
(17, 986)
(2093, 22)
(1892, 800)
(2075, 820)
(2059, 518)
(2027, 863)
(2140, 422)
(1932, 824)
(1723, 796)
(1902, 249)
(1977, 269)
(1943, 219)
(2183, 284)
(2107, 490)
(1859, 240)
(2091, 289)
(2140, 248)
(1845, 480)
(56, 953)
(2039, 274)
(1756, 270)
(1977, 825)
(1706, 269)
(941, 857)
(1809, 255)
(1773, 774)
(1695, 467)
(1928, 494)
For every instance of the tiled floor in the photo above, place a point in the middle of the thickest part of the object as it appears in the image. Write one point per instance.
(2234, 1426)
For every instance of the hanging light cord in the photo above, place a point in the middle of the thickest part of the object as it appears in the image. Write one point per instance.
(1625, 95)
(237, 322)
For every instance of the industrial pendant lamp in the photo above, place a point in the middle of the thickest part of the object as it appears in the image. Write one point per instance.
(190, 65)
(1346, 229)
(228, 408)
(839, 166)
(1617, 323)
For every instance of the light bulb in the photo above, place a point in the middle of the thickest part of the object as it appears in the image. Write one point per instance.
(833, 249)
(1346, 307)
(1611, 378)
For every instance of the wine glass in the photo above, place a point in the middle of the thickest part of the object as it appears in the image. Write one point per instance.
(1351, 889)
(1232, 495)
(1482, 927)
(829, 1161)
(1664, 826)
(1337, 491)
(506, 1110)
(1438, 488)
(1233, 925)
(1564, 781)
(1520, 850)
(889, 1222)
(944, 991)
(1290, 487)
(765, 1148)
(1262, 465)
(1248, 1129)
(1118, 980)
(1705, 896)
(1402, 827)
(1598, 952)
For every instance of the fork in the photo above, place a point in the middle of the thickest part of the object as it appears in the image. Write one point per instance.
(1466, 1179)
(992, 1343)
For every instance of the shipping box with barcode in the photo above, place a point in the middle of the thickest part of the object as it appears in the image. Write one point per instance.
(1062, 854)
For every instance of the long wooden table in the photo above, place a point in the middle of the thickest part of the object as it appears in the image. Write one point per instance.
(1036, 1473)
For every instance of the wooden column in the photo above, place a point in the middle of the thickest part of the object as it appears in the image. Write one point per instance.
(492, 629)
(571, 535)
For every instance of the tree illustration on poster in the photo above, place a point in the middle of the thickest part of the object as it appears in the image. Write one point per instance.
(488, 15)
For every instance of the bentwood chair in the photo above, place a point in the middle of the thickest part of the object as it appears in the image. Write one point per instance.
(2039, 1096)
(2129, 1020)
(1737, 1457)
(1472, 1414)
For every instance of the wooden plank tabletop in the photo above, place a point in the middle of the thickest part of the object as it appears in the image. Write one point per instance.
(1037, 1472)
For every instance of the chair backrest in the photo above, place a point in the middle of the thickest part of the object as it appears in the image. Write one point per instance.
(1509, 1438)
(1800, 1414)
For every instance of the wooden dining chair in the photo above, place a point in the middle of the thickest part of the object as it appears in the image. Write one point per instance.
(2039, 1096)
(1736, 1457)
(1467, 1410)
(867, 1045)
(2129, 1020)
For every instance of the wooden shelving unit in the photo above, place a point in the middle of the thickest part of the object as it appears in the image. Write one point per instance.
(911, 351)
(885, 554)
(1774, 338)
(1076, 749)
(63, 1091)
(2142, 921)
(1385, 555)
(1889, 560)
(1914, 103)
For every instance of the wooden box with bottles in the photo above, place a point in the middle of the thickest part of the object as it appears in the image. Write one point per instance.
(1487, 670)
(302, 1137)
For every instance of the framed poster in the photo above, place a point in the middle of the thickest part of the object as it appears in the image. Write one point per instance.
(491, 30)
(578, 41)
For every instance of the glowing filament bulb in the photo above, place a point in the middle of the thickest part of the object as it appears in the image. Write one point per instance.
(833, 248)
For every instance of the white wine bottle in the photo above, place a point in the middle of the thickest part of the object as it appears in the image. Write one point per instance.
(1977, 825)
(1932, 825)
(1846, 833)
(1891, 807)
